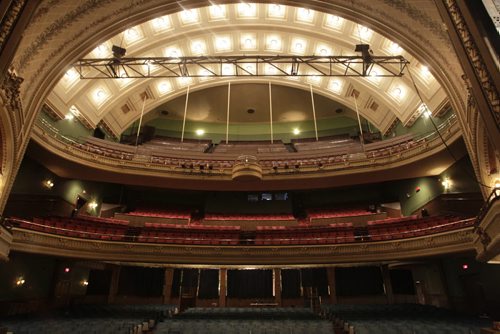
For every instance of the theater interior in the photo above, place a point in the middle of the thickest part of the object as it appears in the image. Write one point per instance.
(249, 167)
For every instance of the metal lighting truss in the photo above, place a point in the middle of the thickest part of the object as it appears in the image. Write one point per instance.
(241, 66)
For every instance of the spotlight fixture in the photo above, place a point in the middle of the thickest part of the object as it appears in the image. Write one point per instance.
(49, 184)
(118, 52)
(366, 54)
(20, 281)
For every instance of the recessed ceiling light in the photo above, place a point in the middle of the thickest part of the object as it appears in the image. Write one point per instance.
(222, 43)
(334, 21)
(425, 71)
(298, 45)
(217, 11)
(161, 23)
(314, 79)
(274, 43)
(227, 69)
(363, 32)
(99, 95)
(395, 48)
(101, 50)
(335, 85)
(164, 87)
(247, 9)
(189, 16)
(276, 11)
(271, 70)
(305, 14)
(173, 52)
(198, 47)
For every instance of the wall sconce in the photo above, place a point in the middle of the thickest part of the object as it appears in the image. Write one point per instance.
(446, 184)
(48, 184)
(20, 281)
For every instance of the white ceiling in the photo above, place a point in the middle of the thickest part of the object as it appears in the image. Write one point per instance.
(245, 29)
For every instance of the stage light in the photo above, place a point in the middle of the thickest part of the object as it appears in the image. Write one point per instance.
(67, 269)
(465, 266)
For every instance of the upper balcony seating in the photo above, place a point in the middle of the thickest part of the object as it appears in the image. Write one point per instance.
(341, 144)
(188, 156)
(165, 144)
(250, 147)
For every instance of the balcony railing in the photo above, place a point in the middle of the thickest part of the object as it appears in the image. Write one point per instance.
(187, 162)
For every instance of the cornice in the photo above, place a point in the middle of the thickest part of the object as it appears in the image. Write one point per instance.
(438, 244)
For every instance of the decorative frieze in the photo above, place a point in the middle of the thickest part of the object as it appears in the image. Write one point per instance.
(10, 90)
(443, 243)
(8, 21)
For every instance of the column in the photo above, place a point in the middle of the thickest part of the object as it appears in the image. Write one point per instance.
(277, 286)
(113, 287)
(167, 286)
(387, 284)
(222, 287)
(331, 283)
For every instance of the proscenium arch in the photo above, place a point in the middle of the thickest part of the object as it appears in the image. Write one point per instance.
(87, 25)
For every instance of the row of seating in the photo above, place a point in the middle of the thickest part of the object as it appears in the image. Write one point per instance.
(416, 227)
(84, 319)
(231, 235)
(155, 212)
(166, 152)
(249, 217)
(338, 212)
(231, 320)
(402, 319)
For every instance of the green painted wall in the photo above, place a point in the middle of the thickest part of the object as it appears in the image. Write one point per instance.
(422, 125)
(31, 177)
(281, 131)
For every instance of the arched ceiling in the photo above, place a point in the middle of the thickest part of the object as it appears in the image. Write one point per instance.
(246, 29)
